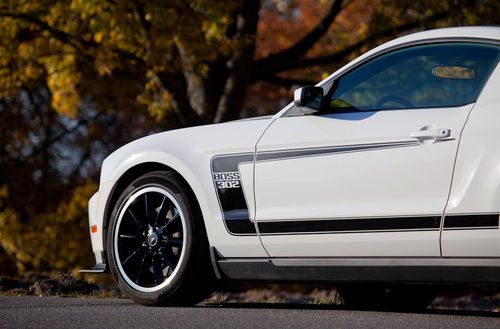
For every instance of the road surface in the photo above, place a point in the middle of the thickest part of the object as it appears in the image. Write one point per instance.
(60, 312)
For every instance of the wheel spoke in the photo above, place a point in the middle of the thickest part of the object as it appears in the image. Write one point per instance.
(150, 208)
(132, 255)
(169, 257)
(140, 268)
(164, 209)
(174, 242)
(129, 236)
(168, 264)
(134, 218)
(157, 271)
(170, 221)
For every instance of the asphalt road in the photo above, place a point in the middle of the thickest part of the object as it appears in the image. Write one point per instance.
(59, 312)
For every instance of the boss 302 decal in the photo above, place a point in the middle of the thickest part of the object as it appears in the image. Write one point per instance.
(227, 181)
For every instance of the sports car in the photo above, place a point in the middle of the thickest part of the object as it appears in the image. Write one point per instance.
(383, 179)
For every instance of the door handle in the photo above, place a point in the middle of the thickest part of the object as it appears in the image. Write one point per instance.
(434, 133)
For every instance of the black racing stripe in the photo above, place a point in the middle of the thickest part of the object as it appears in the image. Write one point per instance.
(235, 209)
(232, 200)
(240, 226)
(223, 163)
(471, 221)
(350, 225)
(306, 152)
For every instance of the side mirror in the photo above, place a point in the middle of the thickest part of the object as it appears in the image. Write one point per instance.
(311, 97)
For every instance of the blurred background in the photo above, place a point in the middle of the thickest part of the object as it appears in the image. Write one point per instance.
(79, 78)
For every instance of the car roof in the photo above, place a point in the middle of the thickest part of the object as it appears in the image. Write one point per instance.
(467, 32)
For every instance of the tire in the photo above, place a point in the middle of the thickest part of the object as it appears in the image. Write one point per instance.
(157, 244)
(395, 297)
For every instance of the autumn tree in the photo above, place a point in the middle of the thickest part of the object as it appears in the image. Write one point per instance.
(78, 78)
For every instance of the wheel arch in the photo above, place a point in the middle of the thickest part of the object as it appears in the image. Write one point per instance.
(128, 177)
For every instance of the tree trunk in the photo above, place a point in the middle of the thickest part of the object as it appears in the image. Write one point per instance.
(240, 65)
(218, 95)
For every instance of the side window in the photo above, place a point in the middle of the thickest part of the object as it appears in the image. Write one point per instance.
(433, 75)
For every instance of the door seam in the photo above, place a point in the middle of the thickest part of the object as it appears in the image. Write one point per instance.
(443, 216)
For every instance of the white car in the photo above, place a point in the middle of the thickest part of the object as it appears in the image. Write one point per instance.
(385, 174)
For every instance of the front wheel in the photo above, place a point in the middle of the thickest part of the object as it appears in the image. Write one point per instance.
(157, 243)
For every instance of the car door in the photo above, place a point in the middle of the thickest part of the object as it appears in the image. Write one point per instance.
(370, 174)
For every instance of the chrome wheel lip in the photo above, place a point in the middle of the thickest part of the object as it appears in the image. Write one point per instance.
(122, 272)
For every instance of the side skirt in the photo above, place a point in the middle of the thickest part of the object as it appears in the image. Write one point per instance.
(407, 270)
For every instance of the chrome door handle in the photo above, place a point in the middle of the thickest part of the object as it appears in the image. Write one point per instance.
(436, 133)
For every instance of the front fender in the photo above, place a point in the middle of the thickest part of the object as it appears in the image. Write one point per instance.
(188, 152)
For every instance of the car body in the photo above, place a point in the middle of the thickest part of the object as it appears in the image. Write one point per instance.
(357, 191)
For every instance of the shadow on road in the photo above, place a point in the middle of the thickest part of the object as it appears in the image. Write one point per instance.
(297, 306)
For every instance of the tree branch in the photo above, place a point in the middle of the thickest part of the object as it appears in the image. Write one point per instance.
(80, 44)
(176, 85)
(300, 48)
(340, 56)
(62, 36)
(287, 82)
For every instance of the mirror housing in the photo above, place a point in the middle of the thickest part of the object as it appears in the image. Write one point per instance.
(309, 96)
